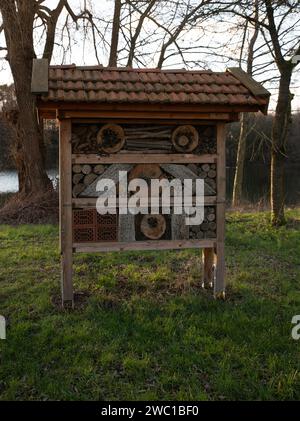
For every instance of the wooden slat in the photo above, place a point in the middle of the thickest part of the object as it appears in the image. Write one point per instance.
(219, 286)
(141, 245)
(39, 81)
(141, 158)
(65, 200)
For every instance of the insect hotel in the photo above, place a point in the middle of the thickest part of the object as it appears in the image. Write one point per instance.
(153, 124)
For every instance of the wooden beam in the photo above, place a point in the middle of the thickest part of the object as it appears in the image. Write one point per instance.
(142, 245)
(65, 203)
(141, 158)
(137, 114)
(219, 286)
(220, 111)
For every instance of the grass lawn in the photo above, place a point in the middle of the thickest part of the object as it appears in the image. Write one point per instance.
(143, 328)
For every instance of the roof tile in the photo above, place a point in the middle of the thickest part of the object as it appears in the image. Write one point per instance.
(99, 84)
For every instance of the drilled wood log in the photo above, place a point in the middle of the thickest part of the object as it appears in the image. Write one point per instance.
(212, 174)
(77, 178)
(211, 217)
(205, 167)
(111, 138)
(86, 169)
(212, 226)
(89, 178)
(99, 169)
(153, 226)
(185, 138)
(77, 168)
(210, 234)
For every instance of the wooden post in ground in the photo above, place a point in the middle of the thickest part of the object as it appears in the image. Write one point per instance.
(208, 258)
(219, 286)
(65, 204)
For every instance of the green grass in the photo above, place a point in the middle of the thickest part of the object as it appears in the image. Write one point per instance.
(143, 328)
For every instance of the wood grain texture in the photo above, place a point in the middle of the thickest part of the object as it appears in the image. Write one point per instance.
(219, 287)
(126, 228)
(65, 196)
(142, 245)
(142, 158)
(208, 267)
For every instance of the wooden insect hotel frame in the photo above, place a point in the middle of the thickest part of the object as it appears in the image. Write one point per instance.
(152, 124)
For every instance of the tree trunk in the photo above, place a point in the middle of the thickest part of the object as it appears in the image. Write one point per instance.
(281, 125)
(240, 161)
(115, 35)
(18, 29)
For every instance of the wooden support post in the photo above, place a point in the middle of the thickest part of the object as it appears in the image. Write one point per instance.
(65, 205)
(208, 259)
(219, 286)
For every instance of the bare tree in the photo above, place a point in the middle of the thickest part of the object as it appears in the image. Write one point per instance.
(279, 24)
(18, 22)
(244, 130)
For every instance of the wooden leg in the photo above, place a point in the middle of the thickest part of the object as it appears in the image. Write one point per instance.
(219, 285)
(67, 275)
(65, 205)
(208, 267)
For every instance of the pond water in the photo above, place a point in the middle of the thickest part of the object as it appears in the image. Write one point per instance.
(257, 182)
(9, 180)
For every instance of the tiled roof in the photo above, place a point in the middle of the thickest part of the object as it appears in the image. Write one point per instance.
(151, 86)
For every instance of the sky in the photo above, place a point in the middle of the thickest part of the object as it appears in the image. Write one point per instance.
(81, 51)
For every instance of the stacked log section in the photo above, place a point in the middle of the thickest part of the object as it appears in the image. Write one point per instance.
(84, 138)
(208, 172)
(208, 137)
(208, 228)
(84, 175)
